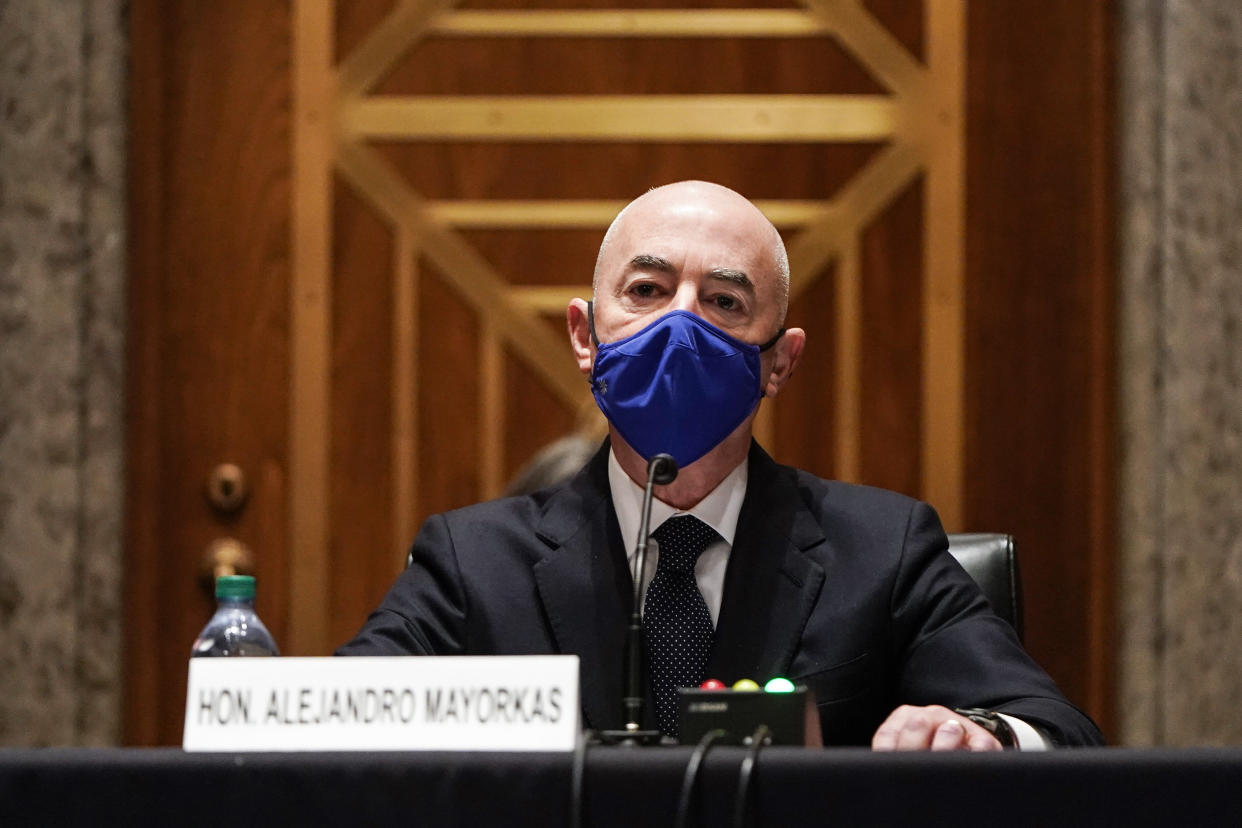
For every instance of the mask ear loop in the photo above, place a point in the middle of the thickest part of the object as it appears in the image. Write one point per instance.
(591, 322)
(762, 347)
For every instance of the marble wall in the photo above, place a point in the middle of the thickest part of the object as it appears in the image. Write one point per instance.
(1180, 176)
(62, 250)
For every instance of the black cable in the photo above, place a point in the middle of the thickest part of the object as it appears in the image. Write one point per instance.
(577, 798)
(689, 782)
(742, 802)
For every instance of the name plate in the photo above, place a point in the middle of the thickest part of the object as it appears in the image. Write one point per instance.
(505, 703)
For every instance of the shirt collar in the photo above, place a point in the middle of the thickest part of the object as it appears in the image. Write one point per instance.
(719, 509)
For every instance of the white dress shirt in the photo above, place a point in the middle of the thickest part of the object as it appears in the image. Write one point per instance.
(719, 510)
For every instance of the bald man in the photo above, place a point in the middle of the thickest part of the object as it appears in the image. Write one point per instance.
(847, 589)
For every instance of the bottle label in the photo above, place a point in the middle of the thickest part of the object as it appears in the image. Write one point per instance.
(504, 703)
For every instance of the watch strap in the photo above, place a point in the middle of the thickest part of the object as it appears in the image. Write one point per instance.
(992, 722)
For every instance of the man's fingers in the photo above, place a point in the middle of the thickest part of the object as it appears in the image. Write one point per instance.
(934, 727)
(885, 737)
(956, 734)
(916, 732)
(980, 740)
(950, 735)
(906, 728)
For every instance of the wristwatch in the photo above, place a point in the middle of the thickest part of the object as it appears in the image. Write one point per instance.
(992, 722)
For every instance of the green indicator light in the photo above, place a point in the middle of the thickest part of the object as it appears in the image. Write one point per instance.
(779, 685)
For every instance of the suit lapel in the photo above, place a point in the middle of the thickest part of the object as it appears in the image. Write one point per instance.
(770, 586)
(584, 585)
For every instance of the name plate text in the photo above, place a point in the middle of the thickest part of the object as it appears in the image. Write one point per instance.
(504, 703)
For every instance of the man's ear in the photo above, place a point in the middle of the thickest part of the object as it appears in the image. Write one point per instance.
(785, 355)
(580, 334)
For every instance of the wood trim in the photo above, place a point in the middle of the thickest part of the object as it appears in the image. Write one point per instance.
(492, 412)
(848, 398)
(716, 118)
(472, 213)
(944, 439)
(1103, 356)
(857, 205)
(405, 362)
(143, 699)
(467, 271)
(646, 23)
(408, 21)
(310, 328)
(860, 34)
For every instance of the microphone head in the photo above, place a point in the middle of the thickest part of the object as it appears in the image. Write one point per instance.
(662, 469)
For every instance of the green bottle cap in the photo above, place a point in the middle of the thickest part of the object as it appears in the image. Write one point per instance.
(235, 586)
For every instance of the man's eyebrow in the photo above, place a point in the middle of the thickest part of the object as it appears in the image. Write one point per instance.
(645, 261)
(732, 276)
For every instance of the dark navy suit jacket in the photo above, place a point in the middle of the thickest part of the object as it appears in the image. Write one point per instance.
(845, 588)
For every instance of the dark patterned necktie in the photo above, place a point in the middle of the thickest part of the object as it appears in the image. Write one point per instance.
(677, 627)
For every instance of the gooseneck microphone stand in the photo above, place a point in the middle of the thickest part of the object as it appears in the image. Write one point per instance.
(661, 470)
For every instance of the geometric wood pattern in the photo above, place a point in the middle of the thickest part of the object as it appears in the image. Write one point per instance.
(339, 119)
(279, 319)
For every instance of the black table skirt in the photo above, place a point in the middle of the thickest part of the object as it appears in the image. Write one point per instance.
(623, 787)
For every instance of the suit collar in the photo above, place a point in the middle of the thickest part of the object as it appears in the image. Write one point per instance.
(771, 585)
(585, 586)
(770, 588)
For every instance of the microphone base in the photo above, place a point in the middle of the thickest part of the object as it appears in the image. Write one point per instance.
(633, 738)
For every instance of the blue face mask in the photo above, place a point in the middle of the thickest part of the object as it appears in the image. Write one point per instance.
(680, 385)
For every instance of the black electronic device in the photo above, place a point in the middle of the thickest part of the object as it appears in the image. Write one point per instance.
(790, 717)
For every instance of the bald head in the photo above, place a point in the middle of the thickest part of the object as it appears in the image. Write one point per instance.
(691, 248)
(704, 208)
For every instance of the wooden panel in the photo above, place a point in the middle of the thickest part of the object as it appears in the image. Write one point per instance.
(449, 350)
(144, 679)
(805, 411)
(416, 356)
(363, 562)
(533, 417)
(840, 50)
(892, 347)
(1040, 318)
(310, 311)
(659, 66)
(209, 337)
(511, 149)
(618, 171)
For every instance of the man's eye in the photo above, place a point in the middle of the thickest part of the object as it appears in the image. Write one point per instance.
(725, 302)
(645, 291)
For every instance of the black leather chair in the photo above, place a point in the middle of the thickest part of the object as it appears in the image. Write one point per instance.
(993, 562)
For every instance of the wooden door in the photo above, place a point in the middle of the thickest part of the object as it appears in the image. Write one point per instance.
(357, 224)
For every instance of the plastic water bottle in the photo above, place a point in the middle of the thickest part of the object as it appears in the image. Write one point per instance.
(235, 629)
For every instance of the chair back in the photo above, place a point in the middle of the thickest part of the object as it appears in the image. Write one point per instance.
(990, 558)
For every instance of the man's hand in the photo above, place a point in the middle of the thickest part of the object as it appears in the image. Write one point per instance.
(931, 728)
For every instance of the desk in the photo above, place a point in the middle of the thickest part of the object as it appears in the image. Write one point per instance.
(625, 787)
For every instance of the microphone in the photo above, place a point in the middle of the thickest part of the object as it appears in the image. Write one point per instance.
(661, 470)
